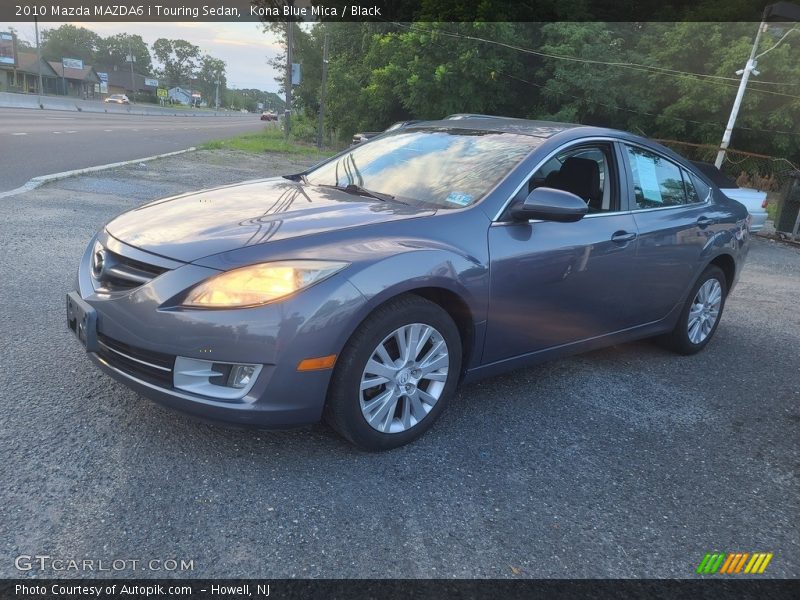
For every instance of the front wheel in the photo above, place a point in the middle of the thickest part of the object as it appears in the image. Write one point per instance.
(701, 314)
(396, 374)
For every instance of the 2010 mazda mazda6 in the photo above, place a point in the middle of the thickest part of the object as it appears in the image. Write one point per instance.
(365, 289)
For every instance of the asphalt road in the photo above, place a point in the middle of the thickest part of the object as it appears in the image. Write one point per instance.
(627, 462)
(41, 142)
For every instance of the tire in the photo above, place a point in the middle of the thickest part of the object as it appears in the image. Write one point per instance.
(693, 330)
(407, 394)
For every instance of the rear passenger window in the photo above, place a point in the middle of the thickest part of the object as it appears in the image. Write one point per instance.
(657, 182)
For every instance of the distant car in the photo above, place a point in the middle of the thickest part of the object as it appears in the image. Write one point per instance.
(117, 99)
(755, 201)
(366, 288)
(268, 115)
(360, 138)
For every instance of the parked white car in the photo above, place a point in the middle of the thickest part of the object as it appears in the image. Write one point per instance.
(754, 200)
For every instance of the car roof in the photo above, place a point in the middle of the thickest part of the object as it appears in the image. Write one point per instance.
(714, 174)
(565, 132)
(543, 129)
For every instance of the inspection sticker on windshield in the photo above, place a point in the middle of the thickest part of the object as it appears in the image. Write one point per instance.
(459, 198)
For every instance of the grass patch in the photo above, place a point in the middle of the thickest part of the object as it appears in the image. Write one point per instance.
(270, 139)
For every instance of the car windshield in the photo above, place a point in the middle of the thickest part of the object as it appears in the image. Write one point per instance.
(448, 168)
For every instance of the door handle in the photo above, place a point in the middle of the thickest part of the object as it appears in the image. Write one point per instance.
(704, 222)
(623, 237)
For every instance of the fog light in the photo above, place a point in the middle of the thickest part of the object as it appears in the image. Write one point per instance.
(224, 381)
(241, 375)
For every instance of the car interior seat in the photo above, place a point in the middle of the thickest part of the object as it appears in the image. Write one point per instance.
(579, 176)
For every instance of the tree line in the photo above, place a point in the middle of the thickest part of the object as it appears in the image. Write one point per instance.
(663, 80)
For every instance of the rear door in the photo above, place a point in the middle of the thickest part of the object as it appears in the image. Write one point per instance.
(674, 219)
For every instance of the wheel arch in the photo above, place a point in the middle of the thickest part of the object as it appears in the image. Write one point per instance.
(454, 303)
(458, 309)
(727, 264)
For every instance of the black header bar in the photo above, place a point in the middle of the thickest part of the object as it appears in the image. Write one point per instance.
(379, 10)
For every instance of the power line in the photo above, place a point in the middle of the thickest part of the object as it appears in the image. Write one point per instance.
(622, 108)
(639, 112)
(777, 43)
(655, 70)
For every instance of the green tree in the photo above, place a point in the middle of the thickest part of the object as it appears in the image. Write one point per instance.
(696, 108)
(306, 51)
(380, 74)
(69, 41)
(579, 88)
(179, 61)
(112, 51)
(660, 79)
(211, 71)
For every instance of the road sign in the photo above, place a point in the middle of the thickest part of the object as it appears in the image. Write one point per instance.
(151, 82)
(72, 63)
(161, 92)
(103, 82)
(7, 54)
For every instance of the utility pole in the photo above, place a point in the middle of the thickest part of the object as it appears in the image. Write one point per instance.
(289, 42)
(321, 126)
(780, 12)
(217, 93)
(38, 62)
(133, 81)
(737, 103)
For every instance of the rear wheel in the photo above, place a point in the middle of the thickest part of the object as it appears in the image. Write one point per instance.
(701, 314)
(396, 374)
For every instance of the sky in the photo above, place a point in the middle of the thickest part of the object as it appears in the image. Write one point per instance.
(244, 47)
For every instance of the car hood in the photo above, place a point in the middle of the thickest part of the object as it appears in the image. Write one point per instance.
(192, 226)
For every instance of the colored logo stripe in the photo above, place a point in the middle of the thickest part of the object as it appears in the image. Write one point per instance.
(710, 563)
(758, 563)
(733, 562)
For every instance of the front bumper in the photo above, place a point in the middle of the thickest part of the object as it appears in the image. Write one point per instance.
(273, 408)
(141, 332)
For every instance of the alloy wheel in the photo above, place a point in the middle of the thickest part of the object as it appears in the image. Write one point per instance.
(704, 312)
(404, 378)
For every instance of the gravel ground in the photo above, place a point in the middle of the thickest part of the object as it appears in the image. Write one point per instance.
(627, 462)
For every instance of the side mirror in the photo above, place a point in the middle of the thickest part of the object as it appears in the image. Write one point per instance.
(550, 204)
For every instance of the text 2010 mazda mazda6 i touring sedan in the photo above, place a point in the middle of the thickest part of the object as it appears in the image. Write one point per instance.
(365, 289)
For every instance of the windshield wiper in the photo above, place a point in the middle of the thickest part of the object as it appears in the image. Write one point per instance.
(352, 188)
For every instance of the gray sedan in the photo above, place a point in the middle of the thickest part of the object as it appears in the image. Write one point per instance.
(365, 289)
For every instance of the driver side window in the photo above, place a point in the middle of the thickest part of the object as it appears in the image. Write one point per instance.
(586, 171)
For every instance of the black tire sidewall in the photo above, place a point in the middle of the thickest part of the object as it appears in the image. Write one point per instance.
(680, 336)
(343, 409)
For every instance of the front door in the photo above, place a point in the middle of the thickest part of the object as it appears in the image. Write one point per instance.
(558, 283)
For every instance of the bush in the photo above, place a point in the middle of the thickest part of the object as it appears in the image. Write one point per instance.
(304, 129)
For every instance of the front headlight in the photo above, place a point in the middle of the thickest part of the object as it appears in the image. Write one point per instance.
(258, 284)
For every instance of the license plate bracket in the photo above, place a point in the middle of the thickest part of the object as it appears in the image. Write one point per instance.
(82, 321)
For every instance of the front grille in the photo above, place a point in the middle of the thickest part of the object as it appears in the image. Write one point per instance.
(153, 367)
(120, 273)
